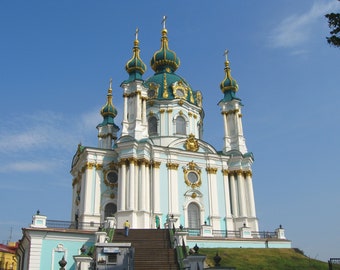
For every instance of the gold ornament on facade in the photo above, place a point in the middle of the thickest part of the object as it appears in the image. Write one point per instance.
(165, 89)
(193, 195)
(90, 165)
(156, 164)
(99, 166)
(225, 172)
(191, 143)
(180, 90)
(211, 170)
(172, 166)
(192, 175)
(199, 98)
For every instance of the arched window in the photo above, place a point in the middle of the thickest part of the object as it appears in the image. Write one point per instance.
(110, 210)
(152, 125)
(194, 220)
(180, 125)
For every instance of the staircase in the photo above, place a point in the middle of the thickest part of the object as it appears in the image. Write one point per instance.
(152, 248)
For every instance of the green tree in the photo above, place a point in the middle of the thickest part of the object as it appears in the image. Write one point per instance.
(334, 25)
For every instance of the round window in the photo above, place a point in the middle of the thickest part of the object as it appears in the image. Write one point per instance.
(192, 177)
(112, 177)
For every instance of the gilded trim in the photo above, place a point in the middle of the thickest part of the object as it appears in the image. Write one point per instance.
(156, 164)
(211, 170)
(225, 172)
(191, 143)
(192, 168)
(172, 166)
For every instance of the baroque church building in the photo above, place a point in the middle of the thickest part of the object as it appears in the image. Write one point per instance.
(156, 165)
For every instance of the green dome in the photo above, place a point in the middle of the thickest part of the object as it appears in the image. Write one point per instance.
(135, 66)
(108, 111)
(165, 83)
(228, 83)
(164, 58)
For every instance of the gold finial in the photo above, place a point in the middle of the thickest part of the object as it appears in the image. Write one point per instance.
(163, 21)
(136, 33)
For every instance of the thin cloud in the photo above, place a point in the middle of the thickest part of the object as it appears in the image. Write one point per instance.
(297, 28)
(44, 131)
(41, 141)
(30, 166)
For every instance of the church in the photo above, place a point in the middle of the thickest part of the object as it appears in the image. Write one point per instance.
(157, 164)
(156, 172)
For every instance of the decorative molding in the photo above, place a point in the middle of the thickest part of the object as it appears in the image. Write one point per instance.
(225, 172)
(172, 166)
(156, 164)
(90, 165)
(211, 170)
(99, 166)
(192, 175)
(191, 143)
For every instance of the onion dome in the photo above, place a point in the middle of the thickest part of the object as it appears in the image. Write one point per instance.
(165, 59)
(228, 85)
(108, 111)
(135, 66)
(165, 84)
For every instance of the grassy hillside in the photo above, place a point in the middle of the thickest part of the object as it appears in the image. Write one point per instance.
(263, 259)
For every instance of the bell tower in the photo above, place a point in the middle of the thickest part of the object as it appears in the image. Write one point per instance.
(232, 115)
(135, 96)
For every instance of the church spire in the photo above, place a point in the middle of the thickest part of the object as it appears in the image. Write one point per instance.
(165, 59)
(107, 130)
(228, 85)
(135, 66)
(231, 110)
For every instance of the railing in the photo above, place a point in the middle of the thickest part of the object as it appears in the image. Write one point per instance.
(231, 234)
(59, 224)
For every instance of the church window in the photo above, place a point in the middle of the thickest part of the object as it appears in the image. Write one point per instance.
(110, 210)
(111, 178)
(180, 125)
(152, 125)
(194, 220)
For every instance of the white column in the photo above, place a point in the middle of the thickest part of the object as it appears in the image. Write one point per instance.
(227, 193)
(234, 196)
(170, 123)
(99, 176)
(142, 188)
(213, 198)
(138, 106)
(173, 191)
(144, 111)
(125, 108)
(87, 196)
(122, 186)
(162, 124)
(147, 186)
(125, 118)
(131, 190)
(241, 192)
(156, 191)
(249, 181)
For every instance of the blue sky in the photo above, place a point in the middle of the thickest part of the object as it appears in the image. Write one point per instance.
(56, 60)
